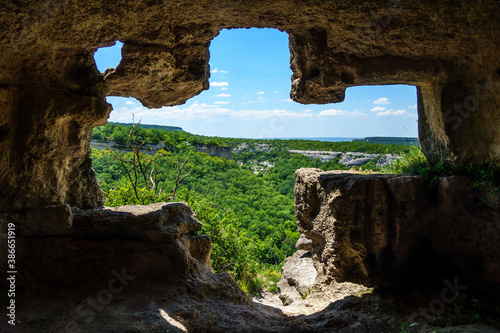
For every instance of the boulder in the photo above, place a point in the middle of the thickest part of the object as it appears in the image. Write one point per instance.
(297, 277)
(304, 243)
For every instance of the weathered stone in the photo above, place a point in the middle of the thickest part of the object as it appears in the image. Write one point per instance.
(297, 277)
(356, 159)
(155, 243)
(393, 229)
(45, 221)
(164, 68)
(324, 156)
(361, 227)
(160, 222)
(304, 243)
(215, 150)
(387, 159)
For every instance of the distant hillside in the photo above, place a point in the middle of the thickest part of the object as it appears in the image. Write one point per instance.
(390, 140)
(159, 127)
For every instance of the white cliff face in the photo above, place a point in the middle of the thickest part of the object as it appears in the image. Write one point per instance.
(215, 150)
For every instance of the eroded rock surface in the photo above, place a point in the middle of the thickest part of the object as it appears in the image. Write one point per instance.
(215, 150)
(399, 230)
(387, 159)
(356, 159)
(58, 247)
(297, 277)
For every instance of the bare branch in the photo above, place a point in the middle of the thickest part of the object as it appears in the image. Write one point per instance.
(179, 179)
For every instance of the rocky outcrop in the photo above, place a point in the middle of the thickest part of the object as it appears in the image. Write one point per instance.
(215, 150)
(387, 159)
(323, 156)
(349, 159)
(356, 159)
(57, 245)
(297, 277)
(390, 230)
(113, 145)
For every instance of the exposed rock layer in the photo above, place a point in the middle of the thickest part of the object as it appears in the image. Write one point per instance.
(399, 230)
(215, 150)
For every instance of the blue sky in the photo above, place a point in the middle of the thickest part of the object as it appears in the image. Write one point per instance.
(249, 97)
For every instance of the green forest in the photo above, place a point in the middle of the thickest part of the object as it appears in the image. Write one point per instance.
(246, 204)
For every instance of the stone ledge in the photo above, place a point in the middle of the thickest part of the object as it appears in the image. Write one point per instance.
(159, 222)
(58, 247)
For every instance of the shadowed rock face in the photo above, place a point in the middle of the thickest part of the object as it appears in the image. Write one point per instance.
(51, 93)
(399, 230)
(59, 248)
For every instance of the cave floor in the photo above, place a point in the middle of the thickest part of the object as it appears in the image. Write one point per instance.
(215, 304)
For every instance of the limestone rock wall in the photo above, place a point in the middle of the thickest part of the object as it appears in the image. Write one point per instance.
(51, 93)
(215, 150)
(399, 230)
(48, 109)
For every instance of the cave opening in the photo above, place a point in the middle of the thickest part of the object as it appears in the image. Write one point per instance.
(70, 252)
(108, 57)
(248, 97)
(212, 147)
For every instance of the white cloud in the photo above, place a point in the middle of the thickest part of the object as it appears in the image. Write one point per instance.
(382, 101)
(130, 103)
(254, 114)
(216, 70)
(222, 95)
(339, 113)
(261, 93)
(377, 109)
(276, 92)
(288, 100)
(413, 106)
(205, 112)
(223, 88)
(219, 84)
(391, 112)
